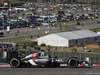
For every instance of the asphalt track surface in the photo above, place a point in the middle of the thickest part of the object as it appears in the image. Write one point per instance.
(50, 71)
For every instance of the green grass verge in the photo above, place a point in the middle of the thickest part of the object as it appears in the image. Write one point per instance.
(3, 63)
(27, 42)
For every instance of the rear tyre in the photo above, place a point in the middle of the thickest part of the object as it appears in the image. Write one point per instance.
(15, 63)
(72, 63)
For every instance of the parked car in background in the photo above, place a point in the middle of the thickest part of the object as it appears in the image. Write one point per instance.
(19, 25)
(52, 20)
(90, 16)
(11, 26)
(96, 15)
(32, 25)
(55, 25)
(14, 20)
(25, 24)
(77, 17)
(1, 27)
(45, 23)
(37, 24)
(1, 33)
(15, 25)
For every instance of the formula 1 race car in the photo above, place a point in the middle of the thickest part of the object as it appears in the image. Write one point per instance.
(40, 59)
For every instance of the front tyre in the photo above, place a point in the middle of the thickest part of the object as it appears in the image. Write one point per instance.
(15, 63)
(72, 63)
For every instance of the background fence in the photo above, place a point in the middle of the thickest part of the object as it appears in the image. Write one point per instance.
(93, 57)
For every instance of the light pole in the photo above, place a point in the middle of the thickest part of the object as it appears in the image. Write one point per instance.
(10, 7)
(39, 30)
(64, 26)
(95, 4)
(48, 11)
(68, 25)
(3, 23)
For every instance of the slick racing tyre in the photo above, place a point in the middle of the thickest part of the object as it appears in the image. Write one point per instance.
(72, 63)
(15, 63)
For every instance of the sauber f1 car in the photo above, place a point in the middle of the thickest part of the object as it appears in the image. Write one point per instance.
(39, 59)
